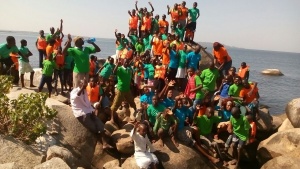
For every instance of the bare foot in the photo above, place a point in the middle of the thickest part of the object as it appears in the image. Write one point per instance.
(174, 142)
(32, 85)
(214, 160)
(160, 143)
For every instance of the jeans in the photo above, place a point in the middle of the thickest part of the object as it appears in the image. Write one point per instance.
(48, 81)
(42, 55)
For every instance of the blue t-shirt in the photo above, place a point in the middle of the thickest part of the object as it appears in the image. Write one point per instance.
(193, 60)
(173, 60)
(225, 115)
(167, 102)
(182, 114)
(147, 98)
(224, 90)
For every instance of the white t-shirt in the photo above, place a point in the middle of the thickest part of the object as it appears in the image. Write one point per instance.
(80, 104)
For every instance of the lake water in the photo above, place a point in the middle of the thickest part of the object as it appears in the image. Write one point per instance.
(275, 91)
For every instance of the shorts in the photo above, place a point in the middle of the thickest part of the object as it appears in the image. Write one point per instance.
(185, 135)
(193, 26)
(181, 72)
(237, 141)
(182, 22)
(25, 67)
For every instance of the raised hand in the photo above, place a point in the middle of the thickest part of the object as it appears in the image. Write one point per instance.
(69, 37)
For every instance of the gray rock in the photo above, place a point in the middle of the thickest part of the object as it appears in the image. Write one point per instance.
(273, 72)
(72, 135)
(286, 125)
(289, 160)
(54, 163)
(101, 157)
(123, 141)
(265, 123)
(63, 153)
(10, 166)
(12, 150)
(130, 163)
(280, 143)
(292, 111)
(182, 156)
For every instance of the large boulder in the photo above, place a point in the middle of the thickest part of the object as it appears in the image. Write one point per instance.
(273, 72)
(10, 166)
(63, 153)
(130, 163)
(123, 141)
(265, 122)
(288, 161)
(101, 157)
(286, 125)
(55, 162)
(187, 158)
(114, 164)
(12, 150)
(280, 143)
(72, 135)
(292, 111)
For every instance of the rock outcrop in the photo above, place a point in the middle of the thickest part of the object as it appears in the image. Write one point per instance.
(278, 144)
(14, 151)
(286, 125)
(72, 134)
(9, 166)
(123, 141)
(63, 153)
(273, 72)
(55, 162)
(292, 111)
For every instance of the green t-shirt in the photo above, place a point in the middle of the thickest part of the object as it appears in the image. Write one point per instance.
(24, 50)
(48, 67)
(147, 42)
(153, 111)
(209, 78)
(240, 127)
(163, 123)
(133, 39)
(205, 124)
(199, 92)
(121, 45)
(126, 41)
(5, 51)
(194, 12)
(140, 48)
(69, 61)
(81, 58)
(179, 32)
(234, 90)
(164, 37)
(154, 26)
(124, 79)
(107, 70)
(150, 70)
(182, 59)
(48, 37)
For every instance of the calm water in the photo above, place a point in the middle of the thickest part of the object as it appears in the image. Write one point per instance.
(274, 91)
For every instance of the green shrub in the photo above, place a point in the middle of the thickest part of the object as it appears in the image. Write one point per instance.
(25, 117)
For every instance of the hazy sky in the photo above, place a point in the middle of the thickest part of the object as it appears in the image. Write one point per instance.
(253, 24)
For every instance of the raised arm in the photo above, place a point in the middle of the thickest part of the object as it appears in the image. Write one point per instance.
(67, 45)
(152, 9)
(61, 25)
(168, 7)
(97, 48)
(116, 30)
(136, 7)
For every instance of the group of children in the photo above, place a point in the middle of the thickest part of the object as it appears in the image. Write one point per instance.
(153, 65)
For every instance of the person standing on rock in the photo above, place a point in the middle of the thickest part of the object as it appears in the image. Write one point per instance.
(221, 58)
(84, 112)
(193, 58)
(81, 57)
(124, 74)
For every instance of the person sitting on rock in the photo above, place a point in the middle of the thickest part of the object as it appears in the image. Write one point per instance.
(154, 109)
(205, 125)
(165, 124)
(144, 158)
(186, 133)
(240, 127)
(147, 96)
(84, 112)
(123, 115)
(234, 90)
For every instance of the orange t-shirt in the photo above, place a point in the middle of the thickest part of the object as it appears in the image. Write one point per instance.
(59, 59)
(202, 111)
(93, 93)
(165, 56)
(157, 46)
(174, 15)
(92, 68)
(160, 72)
(133, 22)
(222, 55)
(14, 58)
(57, 43)
(184, 12)
(244, 94)
(146, 23)
(41, 43)
(49, 50)
(162, 25)
(242, 71)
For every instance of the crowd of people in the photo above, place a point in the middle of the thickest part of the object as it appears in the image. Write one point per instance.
(161, 68)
